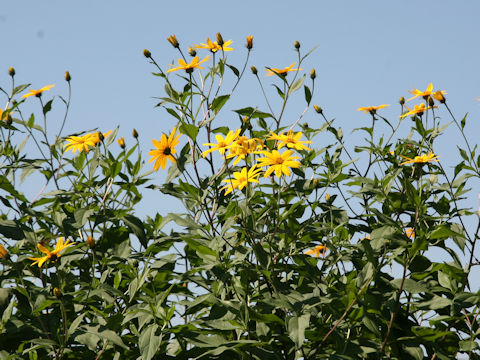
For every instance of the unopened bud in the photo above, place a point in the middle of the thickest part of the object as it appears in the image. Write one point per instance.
(135, 133)
(100, 136)
(14, 102)
(147, 53)
(192, 52)
(254, 70)
(57, 292)
(313, 74)
(9, 119)
(11, 71)
(121, 142)
(438, 95)
(327, 197)
(430, 101)
(249, 42)
(402, 101)
(67, 76)
(220, 41)
(297, 45)
(172, 39)
(318, 109)
(90, 242)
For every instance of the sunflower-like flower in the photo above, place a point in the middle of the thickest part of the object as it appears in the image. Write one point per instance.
(428, 92)
(372, 109)
(280, 163)
(214, 46)
(195, 63)
(417, 109)
(80, 143)
(243, 146)
(421, 159)
(38, 92)
(241, 179)
(165, 149)
(284, 71)
(222, 144)
(51, 255)
(317, 251)
(290, 140)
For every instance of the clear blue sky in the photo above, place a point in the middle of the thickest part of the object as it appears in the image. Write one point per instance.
(370, 53)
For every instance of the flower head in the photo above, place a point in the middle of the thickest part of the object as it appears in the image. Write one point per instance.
(165, 149)
(438, 95)
(410, 232)
(428, 92)
(249, 42)
(190, 66)
(241, 179)
(243, 146)
(280, 163)
(172, 39)
(222, 144)
(214, 46)
(417, 109)
(38, 92)
(372, 109)
(99, 136)
(421, 159)
(290, 139)
(317, 251)
(80, 143)
(121, 142)
(284, 71)
(3, 252)
(51, 255)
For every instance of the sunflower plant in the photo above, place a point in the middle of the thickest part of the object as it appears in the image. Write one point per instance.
(294, 242)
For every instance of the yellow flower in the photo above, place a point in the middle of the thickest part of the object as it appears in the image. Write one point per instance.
(280, 163)
(242, 178)
(249, 42)
(222, 144)
(317, 251)
(365, 238)
(243, 146)
(38, 92)
(428, 92)
(3, 252)
(410, 232)
(291, 140)
(172, 39)
(417, 109)
(273, 71)
(97, 138)
(213, 46)
(52, 256)
(421, 159)
(121, 142)
(372, 109)
(80, 143)
(189, 67)
(165, 149)
(438, 95)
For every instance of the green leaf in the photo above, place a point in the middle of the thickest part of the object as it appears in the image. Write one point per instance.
(234, 69)
(136, 226)
(308, 94)
(81, 216)
(47, 107)
(468, 345)
(218, 102)
(190, 130)
(410, 285)
(296, 328)
(297, 84)
(149, 341)
(11, 230)
(31, 121)
(252, 113)
(19, 89)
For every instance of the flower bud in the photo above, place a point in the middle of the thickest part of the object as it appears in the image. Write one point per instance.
(297, 45)
(67, 76)
(3, 252)
(220, 41)
(254, 70)
(430, 101)
(121, 142)
(57, 292)
(135, 133)
(402, 101)
(313, 74)
(327, 197)
(249, 42)
(172, 39)
(100, 136)
(192, 52)
(318, 109)
(11, 71)
(439, 97)
(90, 242)
(147, 53)
(9, 119)
(14, 102)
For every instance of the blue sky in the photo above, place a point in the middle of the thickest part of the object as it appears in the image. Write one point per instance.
(370, 53)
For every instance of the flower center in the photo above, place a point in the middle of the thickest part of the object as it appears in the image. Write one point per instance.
(167, 151)
(279, 160)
